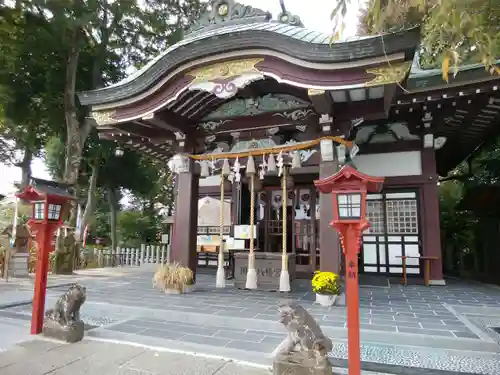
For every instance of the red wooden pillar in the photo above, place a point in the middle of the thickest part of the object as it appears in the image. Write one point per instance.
(351, 248)
(431, 241)
(186, 220)
(44, 243)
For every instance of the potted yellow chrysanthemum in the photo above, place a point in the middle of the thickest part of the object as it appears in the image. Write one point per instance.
(326, 285)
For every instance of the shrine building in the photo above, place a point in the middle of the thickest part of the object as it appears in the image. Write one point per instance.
(265, 101)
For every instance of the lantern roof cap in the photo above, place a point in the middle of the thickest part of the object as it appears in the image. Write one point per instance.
(40, 189)
(348, 178)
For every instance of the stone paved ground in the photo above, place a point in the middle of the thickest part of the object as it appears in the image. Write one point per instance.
(404, 326)
(42, 357)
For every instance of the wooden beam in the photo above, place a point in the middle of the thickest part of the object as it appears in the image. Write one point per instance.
(158, 122)
(304, 116)
(136, 128)
(173, 120)
(370, 110)
(449, 92)
(321, 101)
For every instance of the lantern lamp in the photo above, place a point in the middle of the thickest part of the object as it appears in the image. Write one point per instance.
(54, 211)
(38, 210)
(49, 199)
(349, 206)
(349, 188)
(119, 152)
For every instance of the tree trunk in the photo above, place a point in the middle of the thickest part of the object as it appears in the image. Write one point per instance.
(25, 166)
(91, 198)
(76, 133)
(112, 216)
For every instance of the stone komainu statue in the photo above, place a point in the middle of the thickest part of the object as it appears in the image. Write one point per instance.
(304, 334)
(66, 311)
(305, 349)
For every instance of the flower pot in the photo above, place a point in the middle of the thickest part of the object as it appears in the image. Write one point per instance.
(326, 299)
(188, 288)
(172, 291)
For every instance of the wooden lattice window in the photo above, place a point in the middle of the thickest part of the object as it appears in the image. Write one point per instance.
(375, 216)
(402, 216)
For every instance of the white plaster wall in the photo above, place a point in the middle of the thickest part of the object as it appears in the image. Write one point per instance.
(210, 180)
(405, 163)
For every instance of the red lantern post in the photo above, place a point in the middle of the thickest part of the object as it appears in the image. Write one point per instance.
(48, 203)
(349, 188)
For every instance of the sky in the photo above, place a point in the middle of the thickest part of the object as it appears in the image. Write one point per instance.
(315, 14)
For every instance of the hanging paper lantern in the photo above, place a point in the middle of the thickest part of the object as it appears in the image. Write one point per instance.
(276, 200)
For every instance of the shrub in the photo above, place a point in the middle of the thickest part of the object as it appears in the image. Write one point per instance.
(172, 276)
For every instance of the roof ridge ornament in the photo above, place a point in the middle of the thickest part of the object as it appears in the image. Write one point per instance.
(288, 18)
(226, 12)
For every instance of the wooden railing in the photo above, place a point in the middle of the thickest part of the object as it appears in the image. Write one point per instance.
(124, 256)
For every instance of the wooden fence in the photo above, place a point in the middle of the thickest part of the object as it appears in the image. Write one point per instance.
(124, 256)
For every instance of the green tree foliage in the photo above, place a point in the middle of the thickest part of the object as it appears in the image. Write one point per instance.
(135, 31)
(457, 226)
(454, 32)
(136, 227)
(54, 157)
(30, 84)
(53, 49)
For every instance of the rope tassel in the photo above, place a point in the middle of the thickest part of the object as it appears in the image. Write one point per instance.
(221, 275)
(251, 282)
(284, 276)
(250, 166)
(226, 168)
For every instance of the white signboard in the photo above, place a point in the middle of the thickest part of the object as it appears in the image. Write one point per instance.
(164, 238)
(243, 232)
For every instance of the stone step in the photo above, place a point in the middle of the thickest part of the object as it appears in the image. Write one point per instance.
(258, 347)
(255, 340)
(269, 322)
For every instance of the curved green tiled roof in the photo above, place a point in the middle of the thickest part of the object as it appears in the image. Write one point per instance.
(426, 78)
(295, 41)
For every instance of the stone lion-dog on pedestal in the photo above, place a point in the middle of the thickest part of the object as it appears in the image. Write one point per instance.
(305, 349)
(63, 322)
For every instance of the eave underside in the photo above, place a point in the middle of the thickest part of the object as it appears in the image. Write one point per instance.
(468, 116)
(184, 117)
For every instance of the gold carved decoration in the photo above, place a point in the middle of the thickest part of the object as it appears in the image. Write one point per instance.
(224, 70)
(388, 74)
(103, 118)
(315, 92)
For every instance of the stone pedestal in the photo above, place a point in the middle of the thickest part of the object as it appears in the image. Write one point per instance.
(18, 265)
(72, 333)
(298, 363)
(268, 267)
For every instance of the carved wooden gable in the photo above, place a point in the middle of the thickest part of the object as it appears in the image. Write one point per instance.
(255, 106)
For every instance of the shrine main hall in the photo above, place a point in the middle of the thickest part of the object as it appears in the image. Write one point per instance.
(255, 108)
